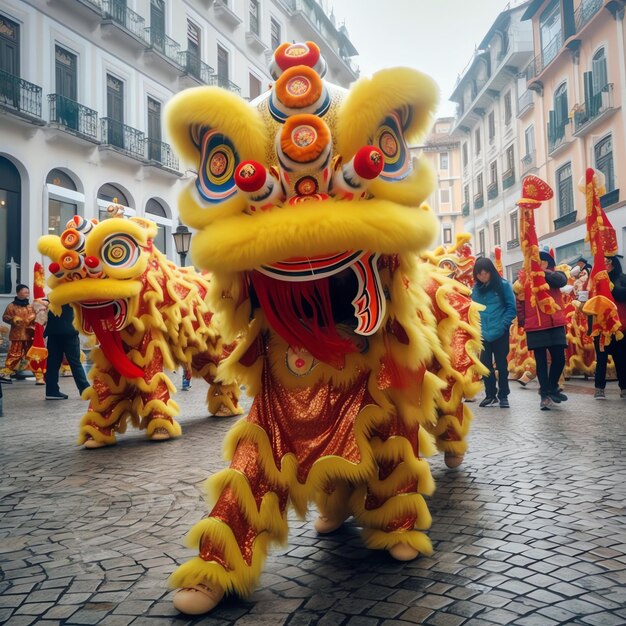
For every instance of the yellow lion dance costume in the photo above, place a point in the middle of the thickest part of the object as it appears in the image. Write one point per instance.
(147, 315)
(309, 214)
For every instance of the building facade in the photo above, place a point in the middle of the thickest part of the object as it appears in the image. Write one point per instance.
(573, 117)
(83, 85)
(486, 95)
(441, 149)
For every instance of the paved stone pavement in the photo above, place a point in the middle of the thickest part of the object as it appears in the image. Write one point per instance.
(531, 530)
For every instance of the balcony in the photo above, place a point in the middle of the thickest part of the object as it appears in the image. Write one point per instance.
(255, 42)
(163, 47)
(511, 244)
(544, 58)
(465, 209)
(74, 117)
(590, 113)
(565, 220)
(479, 201)
(20, 97)
(225, 15)
(559, 136)
(194, 67)
(609, 199)
(584, 13)
(525, 103)
(223, 82)
(123, 24)
(492, 190)
(528, 162)
(120, 137)
(508, 179)
(161, 154)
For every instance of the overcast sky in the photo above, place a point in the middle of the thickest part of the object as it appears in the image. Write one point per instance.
(434, 36)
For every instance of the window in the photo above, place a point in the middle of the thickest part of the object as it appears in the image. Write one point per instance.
(447, 234)
(222, 63)
(254, 86)
(154, 130)
(10, 226)
(599, 72)
(194, 38)
(529, 140)
(514, 224)
(559, 117)
(479, 185)
(477, 141)
(443, 160)
(465, 157)
(508, 110)
(111, 194)
(493, 173)
(444, 196)
(157, 213)
(254, 17)
(275, 36)
(466, 195)
(496, 234)
(565, 189)
(492, 127)
(550, 31)
(481, 242)
(61, 206)
(115, 112)
(603, 152)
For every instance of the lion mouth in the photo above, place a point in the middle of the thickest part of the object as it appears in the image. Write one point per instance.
(111, 314)
(106, 318)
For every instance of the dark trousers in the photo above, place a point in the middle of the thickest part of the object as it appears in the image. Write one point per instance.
(497, 351)
(617, 349)
(549, 377)
(58, 345)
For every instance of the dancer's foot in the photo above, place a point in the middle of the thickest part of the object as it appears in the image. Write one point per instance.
(92, 444)
(160, 434)
(327, 524)
(197, 600)
(403, 552)
(453, 460)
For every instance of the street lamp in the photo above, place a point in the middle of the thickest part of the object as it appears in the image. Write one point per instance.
(182, 239)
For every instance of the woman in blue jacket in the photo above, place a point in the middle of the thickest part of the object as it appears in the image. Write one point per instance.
(496, 295)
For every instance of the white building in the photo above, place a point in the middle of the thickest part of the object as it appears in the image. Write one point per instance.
(487, 104)
(83, 84)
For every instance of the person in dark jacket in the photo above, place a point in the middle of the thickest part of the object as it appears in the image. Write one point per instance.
(617, 349)
(496, 295)
(546, 334)
(63, 340)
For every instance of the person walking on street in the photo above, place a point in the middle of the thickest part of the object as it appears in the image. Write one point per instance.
(63, 340)
(545, 334)
(617, 349)
(496, 295)
(21, 317)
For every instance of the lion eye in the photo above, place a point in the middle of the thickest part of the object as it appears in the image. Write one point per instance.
(119, 251)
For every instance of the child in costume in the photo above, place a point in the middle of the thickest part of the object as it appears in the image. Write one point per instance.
(308, 210)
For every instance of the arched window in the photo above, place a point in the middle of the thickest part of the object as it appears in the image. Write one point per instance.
(157, 213)
(112, 194)
(599, 72)
(603, 152)
(10, 226)
(561, 110)
(63, 200)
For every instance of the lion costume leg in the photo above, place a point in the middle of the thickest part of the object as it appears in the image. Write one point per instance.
(333, 505)
(233, 540)
(391, 506)
(222, 399)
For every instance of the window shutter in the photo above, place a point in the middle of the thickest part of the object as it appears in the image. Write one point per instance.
(600, 79)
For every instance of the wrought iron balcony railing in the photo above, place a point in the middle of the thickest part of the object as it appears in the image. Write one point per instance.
(586, 10)
(528, 161)
(118, 12)
(224, 83)
(161, 153)
(160, 42)
(465, 209)
(126, 138)
(525, 102)
(512, 243)
(479, 201)
(73, 116)
(20, 95)
(548, 53)
(194, 66)
(508, 179)
(593, 108)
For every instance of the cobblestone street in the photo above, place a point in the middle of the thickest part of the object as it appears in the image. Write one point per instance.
(530, 530)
